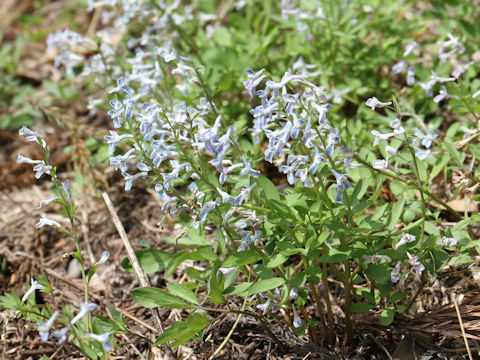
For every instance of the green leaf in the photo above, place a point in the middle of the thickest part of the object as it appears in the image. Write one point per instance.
(398, 296)
(461, 259)
(282, 209)
(242, 258)
(276, 261)
(314, 274)
(151, 260)
(359, 190)
(152, 297)
(448, 145)
(215, 286)
(439, 165)
(10, 301)
(183, 331)
(380, 272)
(386, 317)
(336, 226)
(265, 285)
(195, 238)
(440, 258)
(182, 291)
(397, 209)
(269, 188)
(179, 258)
(335, 255)
(361, 307)
(239, 289)
(431, 229)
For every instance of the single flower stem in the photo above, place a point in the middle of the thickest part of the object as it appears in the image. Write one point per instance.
(230, 333)
(311, 329)
(316, 298)
(414, 297)
(331, 333)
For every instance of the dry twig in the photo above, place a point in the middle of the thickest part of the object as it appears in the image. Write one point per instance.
(142, 277)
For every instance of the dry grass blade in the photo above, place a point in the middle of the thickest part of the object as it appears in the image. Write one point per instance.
(136, 266)
(454, 300)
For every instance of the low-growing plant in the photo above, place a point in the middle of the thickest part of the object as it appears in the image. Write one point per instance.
(91, 335)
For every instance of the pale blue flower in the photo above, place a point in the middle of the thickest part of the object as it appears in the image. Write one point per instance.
(247, 169)
(61, 335)
(44, 221)
(254, 78)
(342, 184)
(399, 67)
(297, 322)
(102, 338)
(121, 86)
(411, 75)
(444, 95)
(426, 139)
(379, 137)
(206, 208)
(113, 139)
(84, 309)
(44, 327)
(424, 154)
(129, 179)
(41, 169)
(121, 160)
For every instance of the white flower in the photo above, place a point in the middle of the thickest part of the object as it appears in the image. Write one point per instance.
(406, 238)
(390, 150)
(437, 79)
(44, 221)
(226, 270)
(379, 137)
(446, 241)
(367, 259)
(32, 135)
(45, 202)
(103, 259)
(443, 94)
(375, 103)
(417, 266)
(395, 274)
(380, 164)
(34, 286)
(24, 160)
